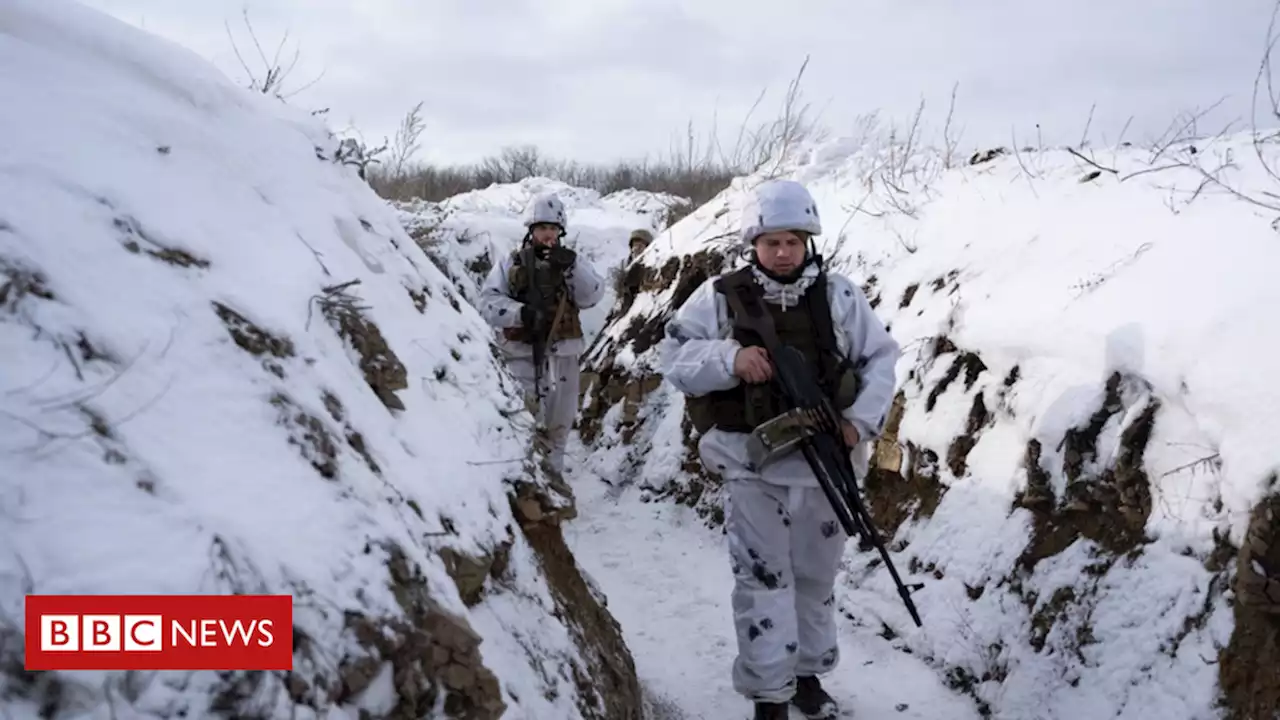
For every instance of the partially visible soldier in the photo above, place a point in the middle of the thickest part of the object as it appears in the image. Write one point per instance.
(640, 239)
(785, 542)
(568, 283)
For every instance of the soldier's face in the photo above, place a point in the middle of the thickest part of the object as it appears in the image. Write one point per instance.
(780, 252)
(546, 234)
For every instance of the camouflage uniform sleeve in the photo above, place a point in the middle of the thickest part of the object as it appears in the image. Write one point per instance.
(496, 305)
(872, 349)
(586, 283)
(696, 355)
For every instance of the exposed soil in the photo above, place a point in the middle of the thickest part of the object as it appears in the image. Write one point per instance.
(1247, 666)
(382, 369)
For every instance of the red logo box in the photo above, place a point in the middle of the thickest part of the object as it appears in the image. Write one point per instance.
(159, 632)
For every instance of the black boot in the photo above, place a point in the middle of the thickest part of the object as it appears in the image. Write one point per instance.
(771, 711)
(812, 701)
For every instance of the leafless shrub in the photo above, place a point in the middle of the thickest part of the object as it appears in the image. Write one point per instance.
(699, 183)
(769, 146)
(274, 72)
(406, 144)
(353, 151)
(899, 167)
(1209, 157)
(950, 143)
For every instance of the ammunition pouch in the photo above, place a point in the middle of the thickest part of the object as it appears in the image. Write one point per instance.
(740, 409)
(776, 438)
(848, 385)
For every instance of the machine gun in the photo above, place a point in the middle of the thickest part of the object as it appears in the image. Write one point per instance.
(823, 444)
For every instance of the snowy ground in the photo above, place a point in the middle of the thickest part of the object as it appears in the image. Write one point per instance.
(667, 579)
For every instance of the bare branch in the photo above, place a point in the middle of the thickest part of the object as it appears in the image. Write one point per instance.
(1113, 171)
(406, 143)
(949, 144)
(1084, 136)
(1212, 462)
(1264, 72)
(1026, 172)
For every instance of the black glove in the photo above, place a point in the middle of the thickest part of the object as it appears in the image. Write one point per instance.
(562, 257)
(531, 318)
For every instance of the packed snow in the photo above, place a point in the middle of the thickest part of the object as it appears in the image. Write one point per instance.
(1027, 278)
(227, 368)
(467, 233)
(668, 583)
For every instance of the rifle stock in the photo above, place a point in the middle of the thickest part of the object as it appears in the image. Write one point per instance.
(824, 450)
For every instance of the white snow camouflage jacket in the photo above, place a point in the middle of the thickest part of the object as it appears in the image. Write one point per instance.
(500, 310)
(697, 355)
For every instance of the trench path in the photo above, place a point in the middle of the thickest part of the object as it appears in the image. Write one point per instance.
(666, 576)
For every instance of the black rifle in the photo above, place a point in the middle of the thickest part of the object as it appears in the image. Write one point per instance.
(825, 450)
(536, 335)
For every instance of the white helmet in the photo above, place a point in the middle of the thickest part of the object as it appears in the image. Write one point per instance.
(545, 208)
(779, 205)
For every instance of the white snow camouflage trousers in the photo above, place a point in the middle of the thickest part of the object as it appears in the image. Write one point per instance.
(785, 545)
(559, 406)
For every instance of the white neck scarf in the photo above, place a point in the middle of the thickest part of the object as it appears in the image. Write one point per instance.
(785, 294)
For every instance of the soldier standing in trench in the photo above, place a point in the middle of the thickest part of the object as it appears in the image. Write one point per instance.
(784, 540)
(549, 330)
(639, 240)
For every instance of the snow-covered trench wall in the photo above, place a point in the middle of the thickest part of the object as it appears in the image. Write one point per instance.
(1085, 425)
(226, 368)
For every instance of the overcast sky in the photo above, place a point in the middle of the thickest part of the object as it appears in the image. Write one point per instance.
(603, 79)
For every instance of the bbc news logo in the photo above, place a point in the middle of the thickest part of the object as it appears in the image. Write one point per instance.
(159, 632)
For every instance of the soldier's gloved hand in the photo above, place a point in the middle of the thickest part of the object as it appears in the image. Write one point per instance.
(530, 317)
(562, 257)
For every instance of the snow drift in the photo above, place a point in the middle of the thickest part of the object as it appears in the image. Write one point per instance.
(466, 234)
(228, 369)
(1085, 423)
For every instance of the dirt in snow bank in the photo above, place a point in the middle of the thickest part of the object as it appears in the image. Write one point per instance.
(620, 394)
(1250, 683)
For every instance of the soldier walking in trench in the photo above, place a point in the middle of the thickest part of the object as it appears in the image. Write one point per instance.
(784, 540)
(533, 297)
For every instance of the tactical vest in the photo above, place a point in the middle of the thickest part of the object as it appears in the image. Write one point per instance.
(568, 322)
(808, 328)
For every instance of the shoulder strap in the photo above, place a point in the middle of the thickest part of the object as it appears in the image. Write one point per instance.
(830, 362)
(820, 311)
(740, 279)
(745, 300)
(746, 306)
